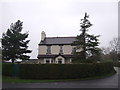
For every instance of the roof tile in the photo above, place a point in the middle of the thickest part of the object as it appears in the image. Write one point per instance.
(58, 40)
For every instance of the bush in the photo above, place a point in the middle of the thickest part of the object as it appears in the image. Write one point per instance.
(87, 61)
(9, 69)
(57, 71)
(64, 71)
(117, 64)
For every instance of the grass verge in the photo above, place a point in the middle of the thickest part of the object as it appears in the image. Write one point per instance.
(6, 79)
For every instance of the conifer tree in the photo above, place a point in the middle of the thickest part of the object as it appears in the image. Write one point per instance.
(14, 43)
(86, 42)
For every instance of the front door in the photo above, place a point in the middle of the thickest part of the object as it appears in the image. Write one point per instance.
(59, 61)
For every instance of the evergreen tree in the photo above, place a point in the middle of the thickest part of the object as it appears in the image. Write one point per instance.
(0, 53)
(86, 42)
(14, 43)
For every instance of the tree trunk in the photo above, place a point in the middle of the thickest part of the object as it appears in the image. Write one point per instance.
(13, 60)
(84, 46)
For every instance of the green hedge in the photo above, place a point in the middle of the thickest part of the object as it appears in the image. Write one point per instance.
(57, 71)
(117, 64)
(9, 69)
(64, 71)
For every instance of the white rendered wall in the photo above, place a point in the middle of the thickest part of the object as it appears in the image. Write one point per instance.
(67, 49)
(42, 50)
(55, 49)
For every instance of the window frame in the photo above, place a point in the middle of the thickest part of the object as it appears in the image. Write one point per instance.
(61, 49)
(48, 60)
(73, 50)
(48, 49)
(59, 59)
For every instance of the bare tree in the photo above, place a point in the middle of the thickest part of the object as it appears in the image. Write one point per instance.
(105, 50)
(111, 52)
(114, 44)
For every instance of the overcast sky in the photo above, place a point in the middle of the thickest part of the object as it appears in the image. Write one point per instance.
(61, 18)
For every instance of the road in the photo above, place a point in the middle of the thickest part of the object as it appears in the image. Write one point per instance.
(108, 82)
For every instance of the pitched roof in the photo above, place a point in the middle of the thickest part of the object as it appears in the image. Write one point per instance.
(57, 40)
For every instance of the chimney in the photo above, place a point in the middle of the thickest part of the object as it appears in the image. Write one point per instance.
(43, 35)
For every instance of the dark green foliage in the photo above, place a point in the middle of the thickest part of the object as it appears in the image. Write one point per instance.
(114, 56)
(87, 61)
(88, 43)
(69, 71)
(118, 55)
(14, 45)
(0, 53)
(9, 69)
(117, 64)
(61, 71)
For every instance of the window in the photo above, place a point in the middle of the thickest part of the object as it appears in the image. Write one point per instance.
(52, 61)
(47, 61)
(60, 61)
(48, 50)
(73, 50)
(61, 50)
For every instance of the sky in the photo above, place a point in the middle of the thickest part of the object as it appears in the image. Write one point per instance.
(60, 18)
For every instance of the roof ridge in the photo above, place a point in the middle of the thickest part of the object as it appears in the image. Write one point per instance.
(62, 37)
(59, 40)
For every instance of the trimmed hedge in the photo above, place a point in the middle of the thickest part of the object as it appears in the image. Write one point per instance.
(117, 64)
(57, 71)
(9, 69)
(64, 71)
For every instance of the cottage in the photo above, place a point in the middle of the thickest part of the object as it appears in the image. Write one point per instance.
(55, 50)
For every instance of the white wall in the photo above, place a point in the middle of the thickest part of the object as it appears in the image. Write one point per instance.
(42, 50)
(67, 49)
(55, 49)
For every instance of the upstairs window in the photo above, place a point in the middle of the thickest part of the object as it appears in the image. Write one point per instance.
(48, 50)
(73, 50)
(61, 49)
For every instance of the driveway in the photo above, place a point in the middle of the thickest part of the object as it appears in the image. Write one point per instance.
(108, 82)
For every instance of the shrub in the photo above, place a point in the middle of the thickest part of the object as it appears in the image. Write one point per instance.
(117, 64)
(57, 71)
(64, 71)
(87, 61)
(9, 69)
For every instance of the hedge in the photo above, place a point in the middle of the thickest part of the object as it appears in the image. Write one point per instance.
(117, 64)
(60, 71)
(9, 69)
